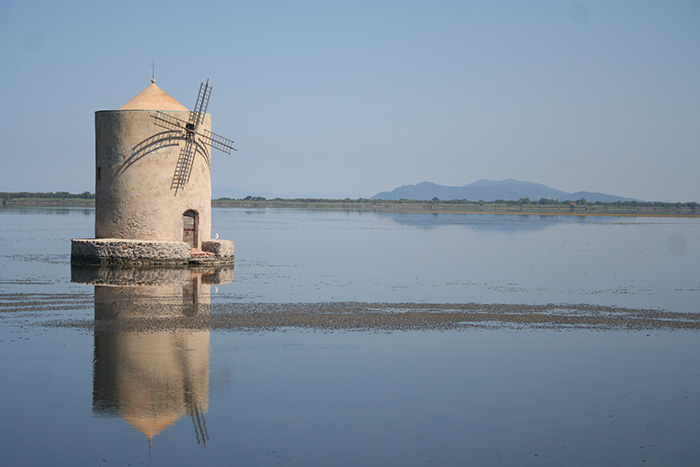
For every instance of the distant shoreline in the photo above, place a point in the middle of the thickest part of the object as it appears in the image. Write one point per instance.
(564, 208)
(577, 213)
(520, 207)
(56, 203)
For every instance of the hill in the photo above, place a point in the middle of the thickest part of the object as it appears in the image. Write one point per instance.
(492, 190)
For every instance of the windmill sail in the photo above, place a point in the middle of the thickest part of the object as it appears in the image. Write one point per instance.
(190, 132)
(218, 141)
(200, 107)
(183, 168)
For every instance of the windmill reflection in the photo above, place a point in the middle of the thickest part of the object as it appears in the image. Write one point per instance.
(151, 360)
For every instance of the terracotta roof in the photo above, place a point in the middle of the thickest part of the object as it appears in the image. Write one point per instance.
(151, 426)
(153, 98)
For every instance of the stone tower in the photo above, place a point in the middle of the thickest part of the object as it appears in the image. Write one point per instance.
(138, 217)
(134, 162)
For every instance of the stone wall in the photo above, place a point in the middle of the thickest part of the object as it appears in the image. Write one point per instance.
(221, 248)
(113, 251)
(118, 251)
(135, 161)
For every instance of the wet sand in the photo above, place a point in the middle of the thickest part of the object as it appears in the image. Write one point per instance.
(421, 316)
(46, 310)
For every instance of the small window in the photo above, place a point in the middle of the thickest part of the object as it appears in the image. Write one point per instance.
(99, 173)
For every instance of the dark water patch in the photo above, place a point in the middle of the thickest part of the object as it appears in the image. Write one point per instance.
(42, 258)
(27, 282)
(43, 302)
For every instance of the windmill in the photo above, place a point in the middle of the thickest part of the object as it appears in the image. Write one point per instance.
(196, 139)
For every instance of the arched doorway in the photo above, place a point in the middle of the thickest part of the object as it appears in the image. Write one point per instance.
(190, 228)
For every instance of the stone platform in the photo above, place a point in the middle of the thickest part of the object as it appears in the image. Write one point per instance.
(116, 251)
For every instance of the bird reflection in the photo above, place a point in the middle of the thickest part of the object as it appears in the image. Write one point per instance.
(151, 356)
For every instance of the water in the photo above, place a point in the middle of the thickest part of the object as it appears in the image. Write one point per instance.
(587, 355)
(312, 256)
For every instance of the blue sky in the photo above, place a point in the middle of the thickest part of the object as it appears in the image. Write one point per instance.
(350, 98)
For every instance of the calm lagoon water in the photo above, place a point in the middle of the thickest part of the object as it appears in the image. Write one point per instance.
(137, 370)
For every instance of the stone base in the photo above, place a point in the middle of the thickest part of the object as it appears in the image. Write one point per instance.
(116, 251)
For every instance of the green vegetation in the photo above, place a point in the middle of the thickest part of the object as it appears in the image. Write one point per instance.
(59, 198)
(521, 206)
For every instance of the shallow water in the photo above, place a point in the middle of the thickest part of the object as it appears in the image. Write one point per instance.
(350, 338)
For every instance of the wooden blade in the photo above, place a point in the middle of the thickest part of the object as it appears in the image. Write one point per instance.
(173, 123)
(183, 168)
(168, 121)
(200, 107)
(217, 141)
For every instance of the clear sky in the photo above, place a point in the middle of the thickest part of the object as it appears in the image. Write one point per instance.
(350, 98)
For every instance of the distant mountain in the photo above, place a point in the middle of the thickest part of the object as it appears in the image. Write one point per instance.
(491, 190)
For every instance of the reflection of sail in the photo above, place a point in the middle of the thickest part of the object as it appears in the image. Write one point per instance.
(151, 361)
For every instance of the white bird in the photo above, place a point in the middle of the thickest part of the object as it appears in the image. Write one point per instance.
(216, 237)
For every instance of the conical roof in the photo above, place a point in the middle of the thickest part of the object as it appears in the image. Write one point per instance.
(151, 426)
(153, 98)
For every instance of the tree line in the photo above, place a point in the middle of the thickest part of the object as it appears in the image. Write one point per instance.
(519, 202)
(693, 206)
(47, 195)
